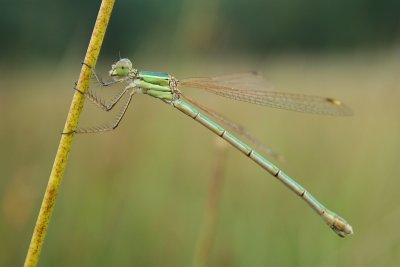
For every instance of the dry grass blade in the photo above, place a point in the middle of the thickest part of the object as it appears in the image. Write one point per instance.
(64, 147)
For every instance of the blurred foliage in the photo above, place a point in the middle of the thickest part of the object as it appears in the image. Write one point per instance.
(47, 29)
(138, 198)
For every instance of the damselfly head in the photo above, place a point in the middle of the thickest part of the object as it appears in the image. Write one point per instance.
(121, 69)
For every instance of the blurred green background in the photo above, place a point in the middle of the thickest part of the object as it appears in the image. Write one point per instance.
(135, 197)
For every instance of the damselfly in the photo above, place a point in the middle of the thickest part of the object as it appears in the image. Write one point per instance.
(248, 87)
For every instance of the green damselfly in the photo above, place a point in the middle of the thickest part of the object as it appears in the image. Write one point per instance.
(246, 87)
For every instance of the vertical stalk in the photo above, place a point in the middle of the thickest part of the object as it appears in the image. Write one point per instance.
(64, 147)
(208, 226)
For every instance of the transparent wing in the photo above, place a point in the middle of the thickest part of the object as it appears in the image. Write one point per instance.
(240, 130)
(248, 80)
(249, 87)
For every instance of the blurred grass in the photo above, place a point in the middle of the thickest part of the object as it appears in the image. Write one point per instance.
(148, 180)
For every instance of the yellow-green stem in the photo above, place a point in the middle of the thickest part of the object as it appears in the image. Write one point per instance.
(64, 147)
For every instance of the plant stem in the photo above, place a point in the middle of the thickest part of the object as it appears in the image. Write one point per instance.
(208, 226)
(71, 124)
